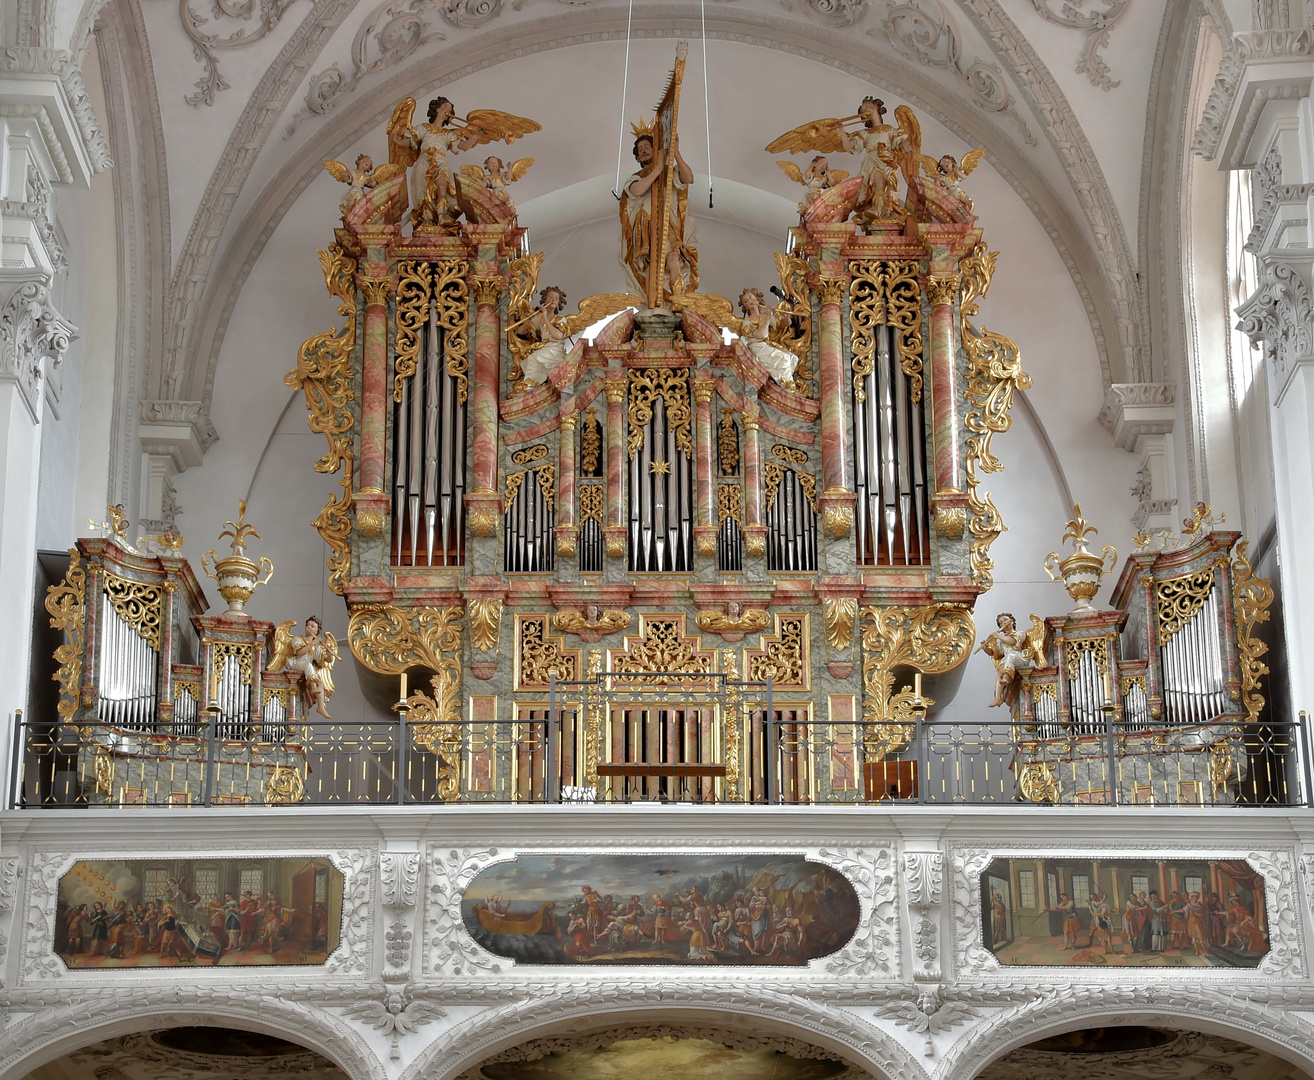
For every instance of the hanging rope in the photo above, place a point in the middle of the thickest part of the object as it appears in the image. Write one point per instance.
(620, 144)
(707, 104)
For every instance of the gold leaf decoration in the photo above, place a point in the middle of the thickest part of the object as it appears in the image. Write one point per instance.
(748, 621)
(607, 622)
(434, 725)
(485, 622)
(662, 646)
(414, 294)
(138, 604)
(590, 442)
(521, 335)
(1037, 782)
(541, 655)
(840, 614)
(729, 503)
(452, 295)
(592, 503)
(286, 785)
(790, 454)
(880, 294)
(389, 639)
(529, 454)
(727, 443)
(773, 473)
(66, 604)
(1252, 597)
(672, 386)
(784, 656)
(1176, 600)
(786, 334)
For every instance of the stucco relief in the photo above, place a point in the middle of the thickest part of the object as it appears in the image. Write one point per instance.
(874, 948)
(449, 949)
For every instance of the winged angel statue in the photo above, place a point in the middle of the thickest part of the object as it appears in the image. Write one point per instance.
(1014, 652)
(313, 654)
(888, 150)
(434, 193)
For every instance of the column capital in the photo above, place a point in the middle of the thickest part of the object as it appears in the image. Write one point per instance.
(1135, 409)
(31, 332)
(487, 290)
(615, 388)
(942, 289)
(831, 290)
(376, 291)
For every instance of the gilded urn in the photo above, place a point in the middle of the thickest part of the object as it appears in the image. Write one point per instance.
(238, 576)
(1082, 571)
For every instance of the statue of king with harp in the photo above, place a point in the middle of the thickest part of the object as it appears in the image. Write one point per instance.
(658, 241)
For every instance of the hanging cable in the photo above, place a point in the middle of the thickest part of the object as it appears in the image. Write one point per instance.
(620, 139)
(707, 104)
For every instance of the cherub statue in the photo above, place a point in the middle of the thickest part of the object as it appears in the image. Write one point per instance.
(313, 654)
(360, 179)
(424, 150)
(946, 173)
(818, 177)
(1014, 653)
(755, 328)
(491, 181)
(553, 330)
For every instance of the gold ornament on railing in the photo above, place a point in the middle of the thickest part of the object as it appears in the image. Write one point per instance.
(237, 575)
(1083, 570)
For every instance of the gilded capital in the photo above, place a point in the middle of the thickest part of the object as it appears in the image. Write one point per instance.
(376, 292)
(569, 420)
(752, 420)
(615, 390)
(703, 389)
(487, 290)
(831, 290)
(942, 289)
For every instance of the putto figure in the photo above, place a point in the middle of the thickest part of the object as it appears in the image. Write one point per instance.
(817, 178)
(360, 179)
(313, 654)
(425, 150)
(483, 191)
(1015, 653)
(553, 331)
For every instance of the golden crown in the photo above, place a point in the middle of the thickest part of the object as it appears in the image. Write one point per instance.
(644, 127)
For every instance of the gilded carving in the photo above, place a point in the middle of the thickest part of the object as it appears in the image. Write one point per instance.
(1037, 782)
(994, 374)
(773, 473)
(748, 621)
(219, 660)
(546, 475)
(784, 656)
(66, 604)
(592, 503)
(539, 655)
(576, 622)
(529, 454)
(451, 295)
(590, 442)
(323, 374)
(830, 290)
(732, 724)
(414, 293)
(523, 272)
(662, 646)
(376, 292)
(370, 520)
(137, 604)
(978, 269)
(1097, 647)
(790, 454)
(567, 542)
(485, 622)
(1176, 600)
(488, 290)
(389, 639)
(434, 725)
(840, 615)
(1251, 598)
(930, 639)
(942, 290)
(482, 520)
(795, 335)
(615, 546)
(286, 785)
(727, 443)
(951, 521)
(837, 520)
(1222, 764)
(729, 503)
(672, 386)
(755, 545)
(885, 293)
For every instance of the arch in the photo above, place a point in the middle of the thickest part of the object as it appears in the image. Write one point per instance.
(1196, 1008)
(1091, 274)
(579, 1010)
(104, 1013)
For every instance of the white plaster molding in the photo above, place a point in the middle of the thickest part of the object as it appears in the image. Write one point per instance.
(1279, 316)
(449, 948)
(178, 430)
(923, 877)
(399, 879)
(1134, 409)
(930, 1015)
(32, 332)
(47, 85)
(43, 874)
(397, 1013)
(874, 947)
(1096, 25)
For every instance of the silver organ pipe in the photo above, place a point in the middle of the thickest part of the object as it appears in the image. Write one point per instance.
(590, 530)
(791, 527)
(129, 670)
(527, 528)
(890, 462)
(429, 462)
(232, 695)
(1194, 675)
(275, 723)
(185, 709)
(661, 499)
(1086, 695)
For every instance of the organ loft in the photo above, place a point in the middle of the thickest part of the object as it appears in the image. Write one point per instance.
(669, 545)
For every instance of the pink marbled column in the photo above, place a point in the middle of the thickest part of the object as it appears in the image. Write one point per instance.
(944, 384)
(615, 451)
(566, 471)
(703, 448)
(374, 385)
(483, 412)
(830, 344)
(752, 467)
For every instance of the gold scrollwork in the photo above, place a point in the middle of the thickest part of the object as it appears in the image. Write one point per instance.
(930, 639)
(727, 443)
(434, 725)
(482, 521)
(103, 768)
(485, 622)
(1037, 782)
(389, 639)
(1176, 600)
(546, 475)
(840, 615)
(592, 503)
(530, 453)
(978, 269)
(590, 442)
(755, 545)
(662, 646)
(541, 655)
(672, 386)
(414, 294)
(885, 293)
(452, 295)
(66, 604)
(729, 503)
(837, 520)
(1222, 763)
(1097, 647)
(138, 604)
(1252, 597)
(784, 656)
(323, 374)
(773, 474)
(950, 521)
(788, 334)
(994, 375)
(286, 785)
(219, 657)
(1130, 681)
(790, 454)
(522, 284)
(733, 737)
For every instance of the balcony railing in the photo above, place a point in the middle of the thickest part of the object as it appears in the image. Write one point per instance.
(616, 742)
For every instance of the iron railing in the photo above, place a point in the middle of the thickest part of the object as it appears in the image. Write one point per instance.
(618, 742)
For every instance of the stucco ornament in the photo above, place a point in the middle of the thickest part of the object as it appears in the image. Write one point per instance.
(923, 873)
(874, 945)
(1278, 316)
(399, 878)
(930, 1015)
(1096, 25)
(352, 953)
(31, 331)
(450, 949)
(206, 45)
(398, 1013)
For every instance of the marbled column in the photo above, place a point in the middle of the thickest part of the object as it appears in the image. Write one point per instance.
(164, 677)
(703, 387)
(752, 467)
(944, 383)
(566, 486)
(483, 449)
(374, 384)
(615, 385)
(830, 343)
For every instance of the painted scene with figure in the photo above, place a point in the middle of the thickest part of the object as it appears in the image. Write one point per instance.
(1176, 912)
(165, 912)
(661, 909)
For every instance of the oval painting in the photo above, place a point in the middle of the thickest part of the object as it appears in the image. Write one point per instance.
(661, 909)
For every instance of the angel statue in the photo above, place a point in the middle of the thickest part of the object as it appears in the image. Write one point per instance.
(818, 177)
(943, 192)
(483, 191)
(636, 217)
(755, 328)
(424, 151)
(360, 179)
(1015, 653)
(313, 654)
(554, 332)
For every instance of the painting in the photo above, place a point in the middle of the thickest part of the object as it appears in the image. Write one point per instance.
(1079, 912)
(666, 1058)
(204, 912)
(661, 909)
